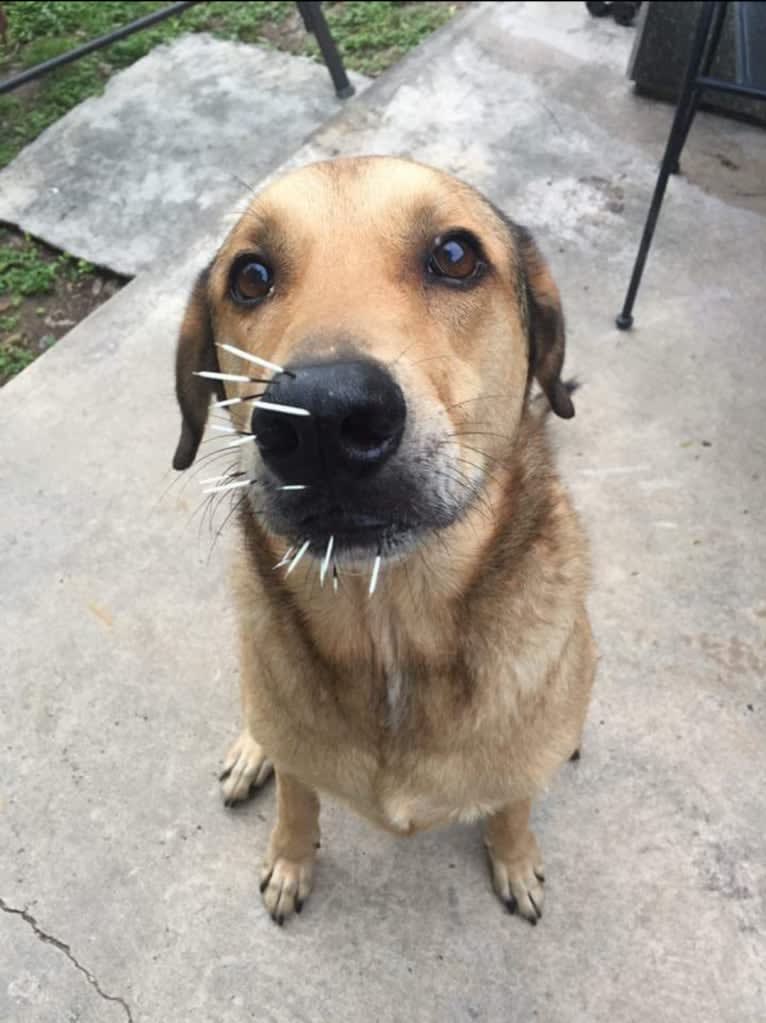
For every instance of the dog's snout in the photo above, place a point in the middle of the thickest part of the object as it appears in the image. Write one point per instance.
(356, 419)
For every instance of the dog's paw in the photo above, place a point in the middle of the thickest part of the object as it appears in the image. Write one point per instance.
(519, 878)
(245, 769)
(285, 885)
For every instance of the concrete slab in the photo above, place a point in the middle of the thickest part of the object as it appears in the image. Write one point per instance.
(44, 981)
(120, 693)
(130, 178)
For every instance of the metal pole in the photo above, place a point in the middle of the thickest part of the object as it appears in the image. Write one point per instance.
(95, 44)
(685, 110)
(314, 20)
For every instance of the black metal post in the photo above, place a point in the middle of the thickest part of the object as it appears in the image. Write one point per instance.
(714, 38)
(95, 44)
(314, 20)
(684, 113)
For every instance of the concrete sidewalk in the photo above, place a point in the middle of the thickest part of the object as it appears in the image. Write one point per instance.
(119, 692)
(130, 179)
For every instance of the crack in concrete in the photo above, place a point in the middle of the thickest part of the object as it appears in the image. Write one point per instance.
(49, 939)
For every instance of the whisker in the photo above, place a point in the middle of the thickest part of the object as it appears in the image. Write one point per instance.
(500, 461)
(402, 353)
(226, 427)
(479, 433)
(229, 486)
(482, 470)
(298, 556)
(326, 561)
(234, 508)
(210, 440)
(183, 477)
(479, 397)
(251, 358)
(429, 358)
(217, 479)
(243, 183)
(294, 486)
(202, 461)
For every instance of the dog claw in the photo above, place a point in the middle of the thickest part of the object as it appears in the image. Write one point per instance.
(575, 756)
(245, 769)
(540, 876)
(285, 886)
(539, 914)
(511, 905)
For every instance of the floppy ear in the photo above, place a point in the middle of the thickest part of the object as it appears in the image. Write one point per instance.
(195, 352)
(545, 324)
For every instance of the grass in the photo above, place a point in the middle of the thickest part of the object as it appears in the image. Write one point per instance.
(43, 292)
(24, 271)
(370, 35)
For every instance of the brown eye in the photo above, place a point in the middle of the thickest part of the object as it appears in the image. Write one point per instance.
(251, 280)
(455, 257)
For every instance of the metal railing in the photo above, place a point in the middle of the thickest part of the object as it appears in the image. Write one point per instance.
(311, 14)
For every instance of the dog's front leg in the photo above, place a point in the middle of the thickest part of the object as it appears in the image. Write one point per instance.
(517, 867)
(246, 766)
(289, 864)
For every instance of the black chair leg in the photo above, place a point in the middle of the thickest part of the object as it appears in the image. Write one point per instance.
(315, 22)
(707, 60)
(684, 116)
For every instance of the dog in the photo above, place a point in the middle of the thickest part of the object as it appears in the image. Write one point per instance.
(411, 579)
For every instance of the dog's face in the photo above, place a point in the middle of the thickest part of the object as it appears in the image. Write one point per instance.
(403, 319)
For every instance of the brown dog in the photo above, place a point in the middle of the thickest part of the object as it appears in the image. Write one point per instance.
(423, 649)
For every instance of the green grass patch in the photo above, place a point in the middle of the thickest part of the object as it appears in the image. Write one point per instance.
(370, 35)
(24, 272)
(43, 293)
(13, 358)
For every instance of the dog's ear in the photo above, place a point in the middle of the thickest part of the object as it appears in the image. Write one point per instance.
(195, 352)
(545, 324)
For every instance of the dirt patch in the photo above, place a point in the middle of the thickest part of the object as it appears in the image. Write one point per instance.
(43, 294)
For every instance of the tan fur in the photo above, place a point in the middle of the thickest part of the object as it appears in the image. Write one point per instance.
(460, 688)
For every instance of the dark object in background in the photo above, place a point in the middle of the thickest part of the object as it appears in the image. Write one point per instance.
(749, 82)
(623, 13)
(311, 13)
(663, 41)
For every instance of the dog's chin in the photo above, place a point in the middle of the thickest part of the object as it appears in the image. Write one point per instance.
(358, 534)
(355, 539)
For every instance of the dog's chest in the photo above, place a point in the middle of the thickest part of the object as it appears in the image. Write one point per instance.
(396, 676)
(407, 812)
(397, 683)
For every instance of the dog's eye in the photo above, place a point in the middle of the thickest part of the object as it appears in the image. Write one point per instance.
(251, 280)
(456, 257)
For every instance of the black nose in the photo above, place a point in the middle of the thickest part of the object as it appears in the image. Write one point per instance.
(355, 423)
